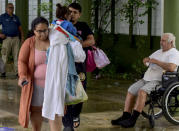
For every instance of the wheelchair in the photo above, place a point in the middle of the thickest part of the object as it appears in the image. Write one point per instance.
(164, 100)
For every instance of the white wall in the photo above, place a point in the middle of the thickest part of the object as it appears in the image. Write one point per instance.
(33, 9)
(141, 29)
(157, 19)
(122, 27)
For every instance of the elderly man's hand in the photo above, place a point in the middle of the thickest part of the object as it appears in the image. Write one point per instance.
(2, 36)
(146, 60)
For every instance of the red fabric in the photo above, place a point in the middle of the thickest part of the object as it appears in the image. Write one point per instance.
(59, 29)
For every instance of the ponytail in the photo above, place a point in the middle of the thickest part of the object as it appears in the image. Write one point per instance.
(61, 11)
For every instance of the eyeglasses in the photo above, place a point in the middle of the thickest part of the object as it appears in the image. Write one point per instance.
(11, 7)
(42, 31)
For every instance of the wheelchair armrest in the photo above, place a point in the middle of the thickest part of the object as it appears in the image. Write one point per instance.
(169, 77)
(161, 89)
(171, 73)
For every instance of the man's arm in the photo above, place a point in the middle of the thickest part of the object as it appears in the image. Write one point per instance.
(89, 41)
(2, 36)
(166, 66)
(22, 34)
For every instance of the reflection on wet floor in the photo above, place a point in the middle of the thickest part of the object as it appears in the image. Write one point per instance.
(106, 102)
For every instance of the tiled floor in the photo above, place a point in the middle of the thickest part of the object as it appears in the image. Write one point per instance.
(106, 100)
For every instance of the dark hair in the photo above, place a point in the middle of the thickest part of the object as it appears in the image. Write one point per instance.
(76, 6)
(9, 4)
(61, 11)
(35, 22)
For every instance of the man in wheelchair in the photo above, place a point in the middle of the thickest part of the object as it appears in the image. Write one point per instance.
(166, 58)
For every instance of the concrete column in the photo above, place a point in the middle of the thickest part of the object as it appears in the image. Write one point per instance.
(171, 18)
(22, 13)
(86, 11)
(1, 8)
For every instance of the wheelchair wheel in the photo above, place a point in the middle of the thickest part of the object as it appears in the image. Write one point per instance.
(170, 103)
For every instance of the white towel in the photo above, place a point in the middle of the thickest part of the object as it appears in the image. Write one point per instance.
(56, 73)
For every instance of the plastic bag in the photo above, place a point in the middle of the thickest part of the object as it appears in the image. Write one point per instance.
(100, 58)
(79, 96)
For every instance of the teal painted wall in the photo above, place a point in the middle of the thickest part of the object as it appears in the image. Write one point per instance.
(22, 13)
(86, 9)
(120, 53)
(171, 18)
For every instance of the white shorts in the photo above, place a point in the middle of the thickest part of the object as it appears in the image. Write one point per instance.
(147, 86)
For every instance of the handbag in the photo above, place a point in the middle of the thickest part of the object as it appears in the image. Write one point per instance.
(100, 58)
(90, 63)
(72, 98)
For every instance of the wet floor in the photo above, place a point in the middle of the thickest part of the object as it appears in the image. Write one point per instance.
(106, 101)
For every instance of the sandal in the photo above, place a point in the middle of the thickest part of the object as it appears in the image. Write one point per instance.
(76, 121)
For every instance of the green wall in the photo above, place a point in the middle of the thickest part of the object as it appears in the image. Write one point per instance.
(22, 13)
(120, 53)
(86, 9)
(171, 18)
